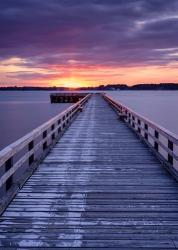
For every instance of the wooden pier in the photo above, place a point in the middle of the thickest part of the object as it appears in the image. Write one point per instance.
(99, 187)
(67, 97)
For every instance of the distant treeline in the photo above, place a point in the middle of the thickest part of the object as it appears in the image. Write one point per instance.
(160, 86)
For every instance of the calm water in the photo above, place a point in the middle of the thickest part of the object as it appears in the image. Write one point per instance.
(159, 106)
(22, 111)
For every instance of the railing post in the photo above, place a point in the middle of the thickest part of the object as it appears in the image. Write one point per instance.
(45, 142)
(170, 147)
(8, 165)
(30, 147)
(53, 134)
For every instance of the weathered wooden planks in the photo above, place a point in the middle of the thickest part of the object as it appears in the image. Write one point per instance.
(100, 187)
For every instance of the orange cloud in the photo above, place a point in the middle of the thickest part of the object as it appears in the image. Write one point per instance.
(15, 70)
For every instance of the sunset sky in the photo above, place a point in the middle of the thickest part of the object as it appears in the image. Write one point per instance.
(76, 43)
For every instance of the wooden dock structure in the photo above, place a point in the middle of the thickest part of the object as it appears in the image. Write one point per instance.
(67, 97)
(99, 186)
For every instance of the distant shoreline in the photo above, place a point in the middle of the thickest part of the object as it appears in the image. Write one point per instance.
(161, 86)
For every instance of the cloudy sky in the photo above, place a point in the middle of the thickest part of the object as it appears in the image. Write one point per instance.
(88, 42)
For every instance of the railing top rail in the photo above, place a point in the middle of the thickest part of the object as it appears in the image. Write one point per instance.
(161, 129)
(19, 144)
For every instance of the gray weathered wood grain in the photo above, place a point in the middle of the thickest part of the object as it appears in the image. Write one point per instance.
(99, 188)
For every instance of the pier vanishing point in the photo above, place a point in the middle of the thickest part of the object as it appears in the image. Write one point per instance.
(97, 176)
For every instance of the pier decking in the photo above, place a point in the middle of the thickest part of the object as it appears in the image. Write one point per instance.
(99, 187)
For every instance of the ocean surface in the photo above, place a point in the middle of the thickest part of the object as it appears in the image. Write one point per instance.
(22, 111)
(160, 107)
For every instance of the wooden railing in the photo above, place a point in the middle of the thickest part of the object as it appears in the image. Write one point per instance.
(162, 142)
(19, 159)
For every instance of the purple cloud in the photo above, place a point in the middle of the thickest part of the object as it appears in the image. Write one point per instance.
(111, 32)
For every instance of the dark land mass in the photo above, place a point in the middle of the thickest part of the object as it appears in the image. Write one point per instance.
(161, 86)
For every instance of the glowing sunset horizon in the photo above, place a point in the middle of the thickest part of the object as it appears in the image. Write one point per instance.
(88, 43)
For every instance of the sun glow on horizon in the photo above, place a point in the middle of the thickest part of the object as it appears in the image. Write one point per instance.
(68, 82)
(21, 72)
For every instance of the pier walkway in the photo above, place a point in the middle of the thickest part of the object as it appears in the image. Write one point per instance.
(99, 187)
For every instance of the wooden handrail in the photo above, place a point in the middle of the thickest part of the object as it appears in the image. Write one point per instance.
(35, 145)
(163, 142)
